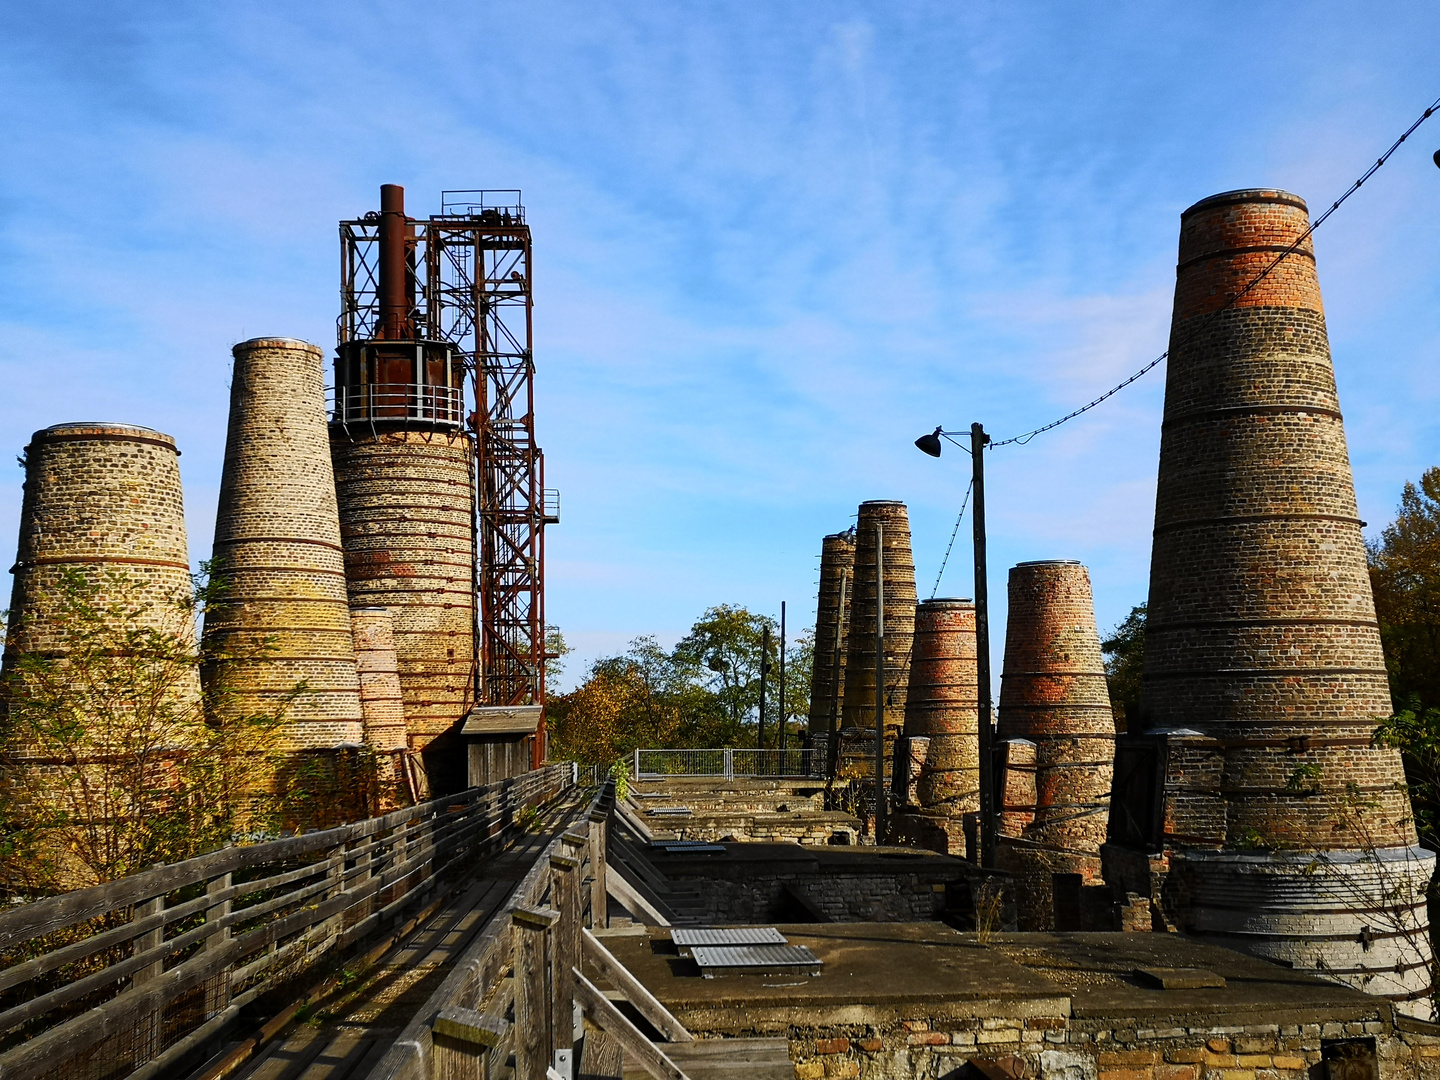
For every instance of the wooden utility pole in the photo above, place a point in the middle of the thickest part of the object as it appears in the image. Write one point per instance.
(978, 441)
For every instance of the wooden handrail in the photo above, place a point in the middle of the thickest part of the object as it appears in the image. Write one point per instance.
(252, 900)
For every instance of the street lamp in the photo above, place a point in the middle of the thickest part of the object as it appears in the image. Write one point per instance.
(930, 444)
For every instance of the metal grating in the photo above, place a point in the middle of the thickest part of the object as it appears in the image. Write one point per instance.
(688, 847)
(754, 959)
(669, 811)
(686, 937)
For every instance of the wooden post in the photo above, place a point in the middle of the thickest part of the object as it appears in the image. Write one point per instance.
(462, 1042)
(534, 1029)
(565, 897)
(147, 1030)
(599, 899)
(217, 994)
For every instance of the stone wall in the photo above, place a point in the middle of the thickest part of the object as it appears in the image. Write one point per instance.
(1060, 1048)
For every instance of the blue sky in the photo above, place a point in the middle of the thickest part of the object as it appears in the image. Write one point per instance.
(774, 243)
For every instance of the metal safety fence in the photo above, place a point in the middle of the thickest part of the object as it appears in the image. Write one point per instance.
(795, 763)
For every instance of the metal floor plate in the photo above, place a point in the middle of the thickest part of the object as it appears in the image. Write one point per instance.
(755, 960)
(686, 937)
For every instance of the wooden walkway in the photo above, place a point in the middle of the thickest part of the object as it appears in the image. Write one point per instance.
(343, 1032)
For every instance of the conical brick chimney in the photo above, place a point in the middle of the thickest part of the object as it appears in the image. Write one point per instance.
(1053, 694)
(1283, 829)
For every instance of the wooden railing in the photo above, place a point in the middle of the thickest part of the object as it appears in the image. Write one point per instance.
(129, 977)
(518, 993)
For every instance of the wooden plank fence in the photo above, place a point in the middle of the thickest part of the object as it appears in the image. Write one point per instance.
(129, 977)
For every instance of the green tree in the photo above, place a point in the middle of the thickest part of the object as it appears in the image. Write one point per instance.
(725, 645)
(555, 652)
(107, 761)
(799, 664)
(1405, 577)
(1124, 653)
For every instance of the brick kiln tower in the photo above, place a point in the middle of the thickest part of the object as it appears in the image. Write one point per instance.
(858, 711)
(832, 624)
(1053, 694)
(942, 725)
(1283, 830)
(405, 478)
(104, 500)
(277, 544)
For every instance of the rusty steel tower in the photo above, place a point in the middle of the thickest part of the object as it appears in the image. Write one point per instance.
(466, 303)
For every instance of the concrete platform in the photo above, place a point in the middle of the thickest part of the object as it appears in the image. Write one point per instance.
(876, 974)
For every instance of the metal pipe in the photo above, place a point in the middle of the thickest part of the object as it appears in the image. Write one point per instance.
(978, 441)
(394, 262)
(832, 746)
(880, 823)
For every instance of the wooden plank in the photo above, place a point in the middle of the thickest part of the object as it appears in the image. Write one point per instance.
(646, 1004)
(631, 817)
(599, 898)
(615, 1024)
(734, 1059)
(624, 890)
(602, 1058)
(409, 1056)
(41, 917)
(531, 943)
(565, 898)
(64, 1041)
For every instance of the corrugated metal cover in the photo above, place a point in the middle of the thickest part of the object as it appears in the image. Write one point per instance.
(738, 959)
(686, 937)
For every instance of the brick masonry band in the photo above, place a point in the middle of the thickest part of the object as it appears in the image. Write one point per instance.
(277, 545)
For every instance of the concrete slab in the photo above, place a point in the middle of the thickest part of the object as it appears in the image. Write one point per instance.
(880, 973)
(873, 973)
(1098, 971)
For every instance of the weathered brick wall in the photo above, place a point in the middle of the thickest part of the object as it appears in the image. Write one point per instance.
(103, 500)
(407, 517)
(1262, 642)
(1053, 693)
(832, 624)
(899, 581)
(1261, 623)
(99, 498)
(881, 895)
(381, 702)
(1060, 1048)
(277, 544)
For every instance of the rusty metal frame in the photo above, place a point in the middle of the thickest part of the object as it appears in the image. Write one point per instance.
(472, 288)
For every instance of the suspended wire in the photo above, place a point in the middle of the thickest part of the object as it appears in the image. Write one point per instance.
(1021, 440)
(953, 533)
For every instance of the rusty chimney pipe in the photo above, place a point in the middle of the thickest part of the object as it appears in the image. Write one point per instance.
(394, 233)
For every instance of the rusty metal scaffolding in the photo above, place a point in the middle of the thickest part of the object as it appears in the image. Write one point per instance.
(469, 271)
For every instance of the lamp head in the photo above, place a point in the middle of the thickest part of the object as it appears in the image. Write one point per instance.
(930, 444)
